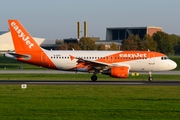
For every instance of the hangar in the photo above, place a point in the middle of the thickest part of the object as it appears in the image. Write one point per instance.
(121, 33)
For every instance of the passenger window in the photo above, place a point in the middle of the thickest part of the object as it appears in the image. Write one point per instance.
(51, 57)
(92, 57)
(59, 57)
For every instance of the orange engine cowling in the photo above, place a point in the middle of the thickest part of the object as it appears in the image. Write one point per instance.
(119, 72)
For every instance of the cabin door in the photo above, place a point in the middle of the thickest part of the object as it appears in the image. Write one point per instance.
(43, 57)
(151, 59)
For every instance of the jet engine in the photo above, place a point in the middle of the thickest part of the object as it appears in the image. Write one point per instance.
(119, 72)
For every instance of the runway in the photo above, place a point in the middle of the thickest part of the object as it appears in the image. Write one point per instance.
(45, 82)
(63, 82)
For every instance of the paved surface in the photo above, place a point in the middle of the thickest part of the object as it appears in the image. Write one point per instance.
(45, 82)
(73, 72)
(33, 82)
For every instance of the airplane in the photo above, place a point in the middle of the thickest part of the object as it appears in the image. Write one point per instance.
(114, 63)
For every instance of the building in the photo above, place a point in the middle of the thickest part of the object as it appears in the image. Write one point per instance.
(121, 33)
(109, 42)
(70, 40)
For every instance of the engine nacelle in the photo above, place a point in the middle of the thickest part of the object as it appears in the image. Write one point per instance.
(119, 72)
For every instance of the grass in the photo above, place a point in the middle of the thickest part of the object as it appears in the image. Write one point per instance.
(85, 77)
(44, 102)
(71, 102)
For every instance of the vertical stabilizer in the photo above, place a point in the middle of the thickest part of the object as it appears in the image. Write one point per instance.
(21, 38)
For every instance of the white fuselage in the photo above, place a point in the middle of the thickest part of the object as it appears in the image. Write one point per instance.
(63, 61)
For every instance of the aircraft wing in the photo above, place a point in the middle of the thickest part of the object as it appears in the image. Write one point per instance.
(92, 64)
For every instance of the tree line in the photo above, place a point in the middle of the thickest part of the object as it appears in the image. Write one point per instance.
(159, 42)
(86, 43)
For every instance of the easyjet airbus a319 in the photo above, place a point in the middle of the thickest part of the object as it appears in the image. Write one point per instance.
(113, 63)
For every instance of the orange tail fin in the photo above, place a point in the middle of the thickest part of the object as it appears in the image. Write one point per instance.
(26, 49)
(21, 38)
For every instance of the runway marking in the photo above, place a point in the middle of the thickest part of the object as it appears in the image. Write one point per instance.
(33, 82)
(87, 83)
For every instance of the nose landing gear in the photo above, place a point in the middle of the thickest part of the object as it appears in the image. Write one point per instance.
(150, 76)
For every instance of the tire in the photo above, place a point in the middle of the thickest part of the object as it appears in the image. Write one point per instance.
(94, 78)
(150, 79)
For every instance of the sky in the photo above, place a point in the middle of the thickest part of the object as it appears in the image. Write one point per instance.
(57, 19)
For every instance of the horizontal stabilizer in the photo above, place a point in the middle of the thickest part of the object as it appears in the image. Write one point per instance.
(15, 55)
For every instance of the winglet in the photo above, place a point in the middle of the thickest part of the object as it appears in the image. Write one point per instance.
(72, 58)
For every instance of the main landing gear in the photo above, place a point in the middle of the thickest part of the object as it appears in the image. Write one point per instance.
(150, 77)
(94, 78)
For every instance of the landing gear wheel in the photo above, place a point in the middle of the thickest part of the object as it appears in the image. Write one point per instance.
(150, 76)
(94, 78)
(150, 79)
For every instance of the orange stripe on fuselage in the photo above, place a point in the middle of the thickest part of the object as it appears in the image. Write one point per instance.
(125, 56)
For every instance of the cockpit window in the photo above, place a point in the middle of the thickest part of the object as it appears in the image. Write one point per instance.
(164, 58)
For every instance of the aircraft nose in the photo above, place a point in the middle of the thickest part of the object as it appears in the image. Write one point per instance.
(173, 65)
